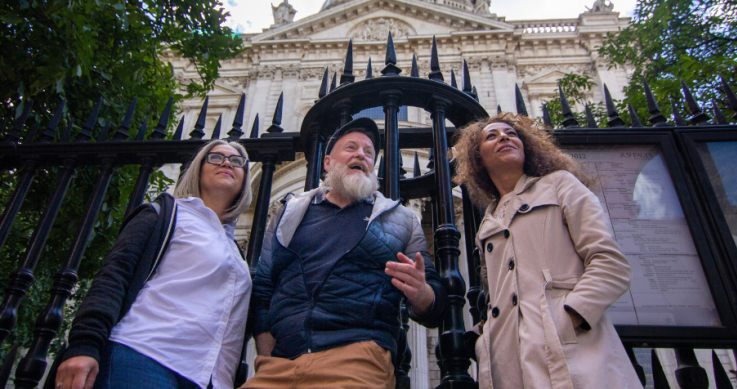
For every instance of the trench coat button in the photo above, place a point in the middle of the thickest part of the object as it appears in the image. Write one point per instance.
(524, 207)
(489, 247)
(506, 234)
(511, 265)
(494, 312)
(514, 300)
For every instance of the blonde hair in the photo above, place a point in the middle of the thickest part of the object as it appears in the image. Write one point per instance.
(542, 156)
(189, 183)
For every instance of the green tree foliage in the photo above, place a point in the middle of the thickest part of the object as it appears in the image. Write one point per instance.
(82, 50)
(672, 40)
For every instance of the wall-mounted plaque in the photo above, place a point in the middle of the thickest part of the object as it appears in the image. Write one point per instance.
(643, 210)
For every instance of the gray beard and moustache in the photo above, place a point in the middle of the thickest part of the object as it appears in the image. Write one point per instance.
(351, 186)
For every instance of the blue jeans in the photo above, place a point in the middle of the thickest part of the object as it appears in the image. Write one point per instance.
(121, 367)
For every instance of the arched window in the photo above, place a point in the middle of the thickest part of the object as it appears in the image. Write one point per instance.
(378, 113)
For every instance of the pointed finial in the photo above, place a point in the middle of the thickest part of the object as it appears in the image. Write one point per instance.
(14, 133)
(324, 84)
(347, 77)
(47, 135)
(334, 83)
(590, 121)
(86, 133)
(676, 114)
(546, 117)
(453, 82)
(467, 87)
(142, 131)
(435, 73)
(731, 98)
(102, 136)
(416, 172)
(180, 128)
(31, 135)
(698, 115)
(276, 121)
(122, 133)
(569, 121)
(657, 119)
(216, 130)
(197, 133)
(498, 109)
(236, 132)
(254, 128)
(611, 110)
(67, 131)
(718, 115)
(521, 109)
(160, 130)
(636, 123)
(431, 158)
(369, 70)
(415, 72)
(390, 60)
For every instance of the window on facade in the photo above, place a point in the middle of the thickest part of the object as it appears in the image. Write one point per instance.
(378, 113)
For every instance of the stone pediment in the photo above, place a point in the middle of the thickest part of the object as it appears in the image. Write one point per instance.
(369, 20)
(551, 76)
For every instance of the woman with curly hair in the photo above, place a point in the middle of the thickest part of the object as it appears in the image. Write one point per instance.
(550, 264)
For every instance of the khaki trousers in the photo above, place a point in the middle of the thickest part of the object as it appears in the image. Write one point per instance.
(364, 365)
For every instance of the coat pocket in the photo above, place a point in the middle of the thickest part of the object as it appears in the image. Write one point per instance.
(563, 324)
(555, 295)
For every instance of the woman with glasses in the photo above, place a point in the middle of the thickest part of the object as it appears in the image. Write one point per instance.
(168, 307)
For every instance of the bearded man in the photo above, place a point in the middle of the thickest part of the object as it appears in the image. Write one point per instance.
(336, 262)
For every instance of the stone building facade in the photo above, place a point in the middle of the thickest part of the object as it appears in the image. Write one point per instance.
(291, 57)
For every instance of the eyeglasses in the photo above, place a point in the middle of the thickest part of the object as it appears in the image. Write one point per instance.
(219, 158)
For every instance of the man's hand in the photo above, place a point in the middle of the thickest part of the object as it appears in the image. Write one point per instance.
(409, 277)
(77, 373)
(265, 344)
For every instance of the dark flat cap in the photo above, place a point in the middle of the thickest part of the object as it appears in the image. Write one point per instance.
(363, 125)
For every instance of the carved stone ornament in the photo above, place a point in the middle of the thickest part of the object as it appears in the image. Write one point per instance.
(481, 7)
(600, 6)
(378, 29)
(283, 13)
(235, 82)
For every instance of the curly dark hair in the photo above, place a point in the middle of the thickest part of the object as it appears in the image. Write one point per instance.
(542, 156)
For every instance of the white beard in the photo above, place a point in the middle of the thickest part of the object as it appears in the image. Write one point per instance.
(351, 186)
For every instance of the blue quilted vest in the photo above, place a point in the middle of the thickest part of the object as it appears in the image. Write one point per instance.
(355, 302)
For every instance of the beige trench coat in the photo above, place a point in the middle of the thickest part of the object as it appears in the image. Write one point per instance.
(552, 249)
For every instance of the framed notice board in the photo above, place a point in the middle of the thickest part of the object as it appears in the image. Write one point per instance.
(678, 295)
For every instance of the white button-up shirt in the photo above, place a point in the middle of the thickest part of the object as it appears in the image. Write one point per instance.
(191, 315)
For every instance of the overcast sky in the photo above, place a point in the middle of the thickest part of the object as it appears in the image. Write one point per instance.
(255, 15)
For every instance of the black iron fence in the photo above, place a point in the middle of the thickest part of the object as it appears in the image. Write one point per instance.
(708, 205)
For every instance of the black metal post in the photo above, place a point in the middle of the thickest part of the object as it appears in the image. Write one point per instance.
(470, 227)
(314, 165)
(391, 100)
(32, 367)
(405, 354)
(689, 374)
(255, 241)
(13, 207)
(139, 191)
(22, 278)
(638, 369)
(456, 359)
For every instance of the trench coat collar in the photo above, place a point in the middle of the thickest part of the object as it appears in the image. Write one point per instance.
(490, 225)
